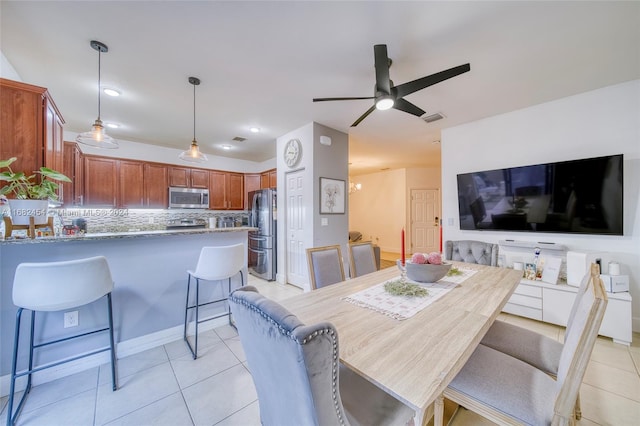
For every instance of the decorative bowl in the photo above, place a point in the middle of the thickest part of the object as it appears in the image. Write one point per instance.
(424, 272)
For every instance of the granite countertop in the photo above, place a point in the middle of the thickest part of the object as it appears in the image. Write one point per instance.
(132, 234)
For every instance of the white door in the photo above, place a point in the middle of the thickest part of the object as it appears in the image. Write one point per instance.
(296, 255)
(425, 223)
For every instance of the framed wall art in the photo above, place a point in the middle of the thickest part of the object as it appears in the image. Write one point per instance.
(332, 196)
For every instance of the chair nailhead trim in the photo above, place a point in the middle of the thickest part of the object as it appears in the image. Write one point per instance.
(330, 331)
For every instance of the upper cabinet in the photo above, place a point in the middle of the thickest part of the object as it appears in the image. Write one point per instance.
(131, 184)
(268, 179)
(156, 187)
(101, 181)
(187, 177)
(226, 190)
(251, 183)
(31, 128)
(73, 168)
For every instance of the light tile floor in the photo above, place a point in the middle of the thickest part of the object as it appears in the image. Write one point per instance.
(165, 386)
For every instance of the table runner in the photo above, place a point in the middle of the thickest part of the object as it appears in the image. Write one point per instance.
(402, 307)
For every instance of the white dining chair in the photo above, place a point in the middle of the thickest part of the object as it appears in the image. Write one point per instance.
(297, 372)
(534, 348)
(508, 391)
(215, 264)
(362, 259)
(52, 287)
(325, 266)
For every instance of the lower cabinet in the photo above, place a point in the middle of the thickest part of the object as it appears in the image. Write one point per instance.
(552, 303)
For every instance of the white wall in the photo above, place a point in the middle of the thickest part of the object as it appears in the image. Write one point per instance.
(145, 152)
(7, 70)
(388, 194)
(379, 210)
(597, 123)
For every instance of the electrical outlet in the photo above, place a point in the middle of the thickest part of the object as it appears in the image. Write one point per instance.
(70, 319)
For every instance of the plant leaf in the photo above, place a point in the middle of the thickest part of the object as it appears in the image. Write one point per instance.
(52, 174)
(7, 163)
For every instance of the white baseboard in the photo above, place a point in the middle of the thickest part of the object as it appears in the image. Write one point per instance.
(123, 349)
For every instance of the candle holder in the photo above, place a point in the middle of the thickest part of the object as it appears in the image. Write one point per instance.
(403, 270)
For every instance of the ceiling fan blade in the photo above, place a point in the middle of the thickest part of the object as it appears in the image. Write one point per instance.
(419, 84)
(383, 83)
(406, 106)
(341, 99)
(363, 116)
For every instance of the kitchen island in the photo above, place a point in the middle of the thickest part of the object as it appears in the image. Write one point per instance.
(149, 270)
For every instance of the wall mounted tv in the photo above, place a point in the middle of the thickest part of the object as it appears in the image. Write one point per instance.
(580, 196)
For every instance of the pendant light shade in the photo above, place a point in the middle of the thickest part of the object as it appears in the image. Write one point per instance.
(193, 154)
(97, 136)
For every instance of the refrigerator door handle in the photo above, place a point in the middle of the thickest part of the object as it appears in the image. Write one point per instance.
(254, 210)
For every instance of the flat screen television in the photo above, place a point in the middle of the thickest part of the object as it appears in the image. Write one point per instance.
(579, 196)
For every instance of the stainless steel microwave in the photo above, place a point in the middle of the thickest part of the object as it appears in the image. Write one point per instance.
(188, 198)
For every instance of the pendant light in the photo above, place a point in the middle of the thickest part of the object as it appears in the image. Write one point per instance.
(193, 154)
(97, 136)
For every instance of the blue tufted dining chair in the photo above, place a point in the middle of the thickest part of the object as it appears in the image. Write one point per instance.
(297, 372)
(470, 251)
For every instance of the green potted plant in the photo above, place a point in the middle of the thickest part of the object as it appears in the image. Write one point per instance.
(31, 193)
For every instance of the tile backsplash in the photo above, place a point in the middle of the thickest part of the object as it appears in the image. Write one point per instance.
(124, 220)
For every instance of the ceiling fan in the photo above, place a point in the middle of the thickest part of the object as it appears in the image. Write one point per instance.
(387, 95)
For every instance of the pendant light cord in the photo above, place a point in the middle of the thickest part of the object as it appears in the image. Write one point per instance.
(194, 112)
(99, 67)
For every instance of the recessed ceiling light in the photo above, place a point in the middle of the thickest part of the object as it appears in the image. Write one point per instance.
(255, 129)
(112, 125)
(111, 92)
(227, 147)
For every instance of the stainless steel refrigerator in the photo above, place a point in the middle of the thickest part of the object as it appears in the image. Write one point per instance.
(262, 243)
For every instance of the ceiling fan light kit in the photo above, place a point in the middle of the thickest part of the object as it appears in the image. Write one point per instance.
(97, 136)
(388, 96)
(193, 154)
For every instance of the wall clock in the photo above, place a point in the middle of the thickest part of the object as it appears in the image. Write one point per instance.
(292, 152)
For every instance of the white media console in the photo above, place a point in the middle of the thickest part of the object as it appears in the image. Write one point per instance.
(552, 302)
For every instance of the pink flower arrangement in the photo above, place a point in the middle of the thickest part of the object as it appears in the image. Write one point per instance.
(433, 258)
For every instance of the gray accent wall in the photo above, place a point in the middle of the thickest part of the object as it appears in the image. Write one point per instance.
(330, 161)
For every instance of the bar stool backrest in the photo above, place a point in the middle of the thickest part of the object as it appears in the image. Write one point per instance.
(55, 286)
(218, 263)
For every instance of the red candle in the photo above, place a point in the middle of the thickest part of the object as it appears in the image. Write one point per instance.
(402, 246)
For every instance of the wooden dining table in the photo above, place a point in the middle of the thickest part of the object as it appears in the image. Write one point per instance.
(413, 359)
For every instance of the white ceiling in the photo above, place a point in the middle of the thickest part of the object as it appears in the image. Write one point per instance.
(262, 62)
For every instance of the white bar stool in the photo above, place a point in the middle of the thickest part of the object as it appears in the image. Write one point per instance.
(58, 286)
(214, 264)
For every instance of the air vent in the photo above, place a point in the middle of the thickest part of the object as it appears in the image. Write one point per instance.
(433, 117)
(239, 139)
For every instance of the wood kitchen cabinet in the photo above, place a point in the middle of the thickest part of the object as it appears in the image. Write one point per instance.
(251, 183)
(187, 177)
(131, 184)
(73, 168)
(100, 181)
(31, 128)
(156, 187)
(226, 190)
(268, 179)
